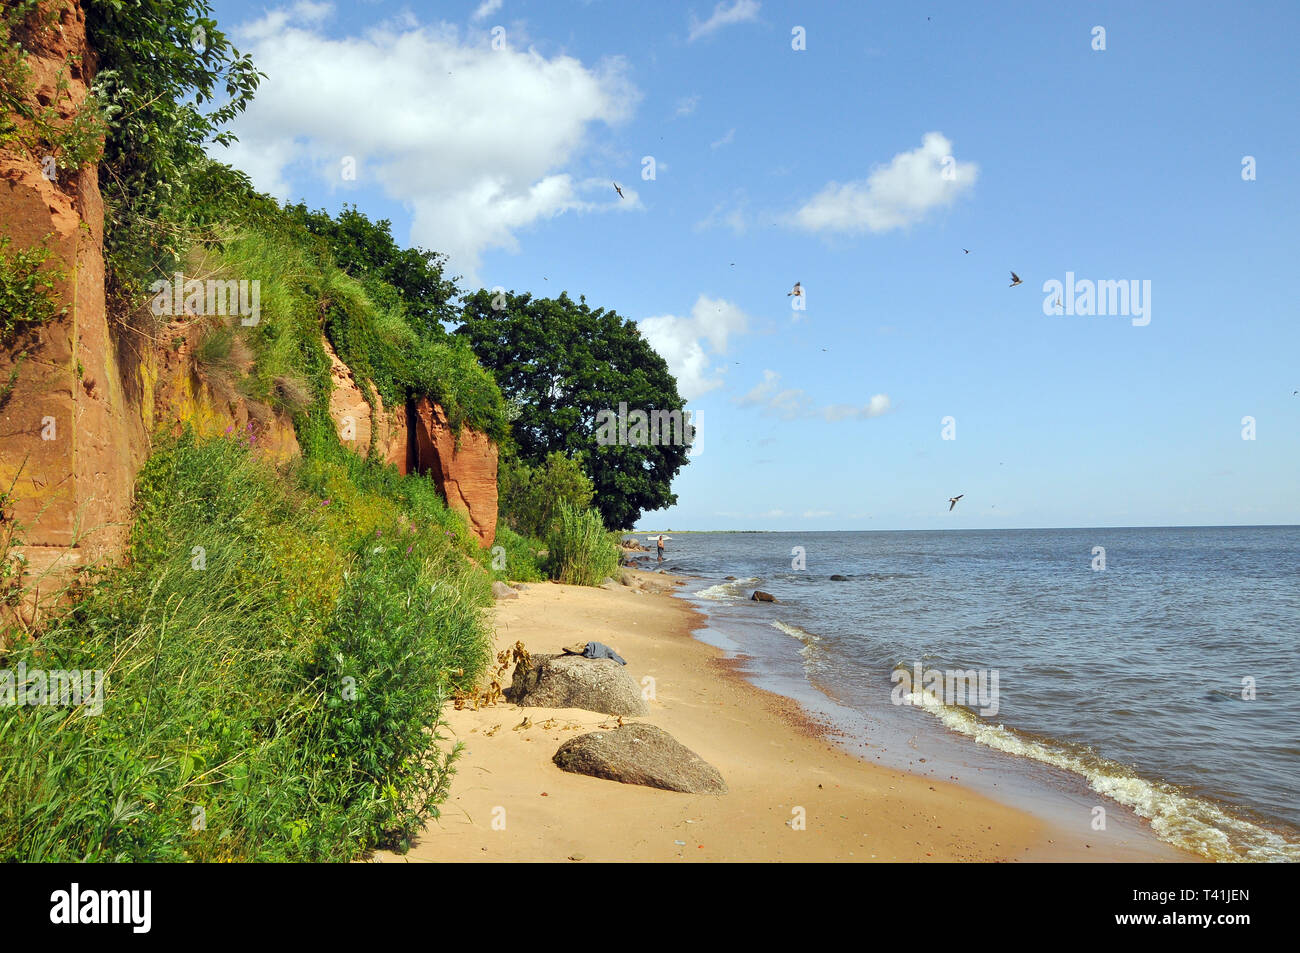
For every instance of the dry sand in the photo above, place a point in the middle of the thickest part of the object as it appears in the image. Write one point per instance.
(509, 802)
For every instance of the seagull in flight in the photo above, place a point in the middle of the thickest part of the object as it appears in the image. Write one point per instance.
(798, 290)
(952, 501)
(618, 190)
(966, 250)
(1015, 280)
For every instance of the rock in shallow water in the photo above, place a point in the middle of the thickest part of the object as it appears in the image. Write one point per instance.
(640, 754)
(761, 596)
(571, 681)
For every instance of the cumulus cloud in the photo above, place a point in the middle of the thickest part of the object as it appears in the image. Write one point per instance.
(724, 15)
(794, 403)
(486, 9)
(473, 141)
(892, 196)
(692, 344)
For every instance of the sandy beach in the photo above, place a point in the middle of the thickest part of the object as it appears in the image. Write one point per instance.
(509, 802)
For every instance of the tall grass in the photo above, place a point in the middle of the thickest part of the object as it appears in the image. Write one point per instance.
(513, 557)
(580, 551)
(276, 664)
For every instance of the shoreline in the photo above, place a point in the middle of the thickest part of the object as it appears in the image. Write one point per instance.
(509, 802)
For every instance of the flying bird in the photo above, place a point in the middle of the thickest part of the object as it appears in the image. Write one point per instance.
(798, 290)
(966, 250)
(1015, 280)
(618, 190)
(1058, 302)
(952, 501)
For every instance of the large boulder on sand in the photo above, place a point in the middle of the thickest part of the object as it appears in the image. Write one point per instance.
(501, 591)
(571, 681)
(640, 754)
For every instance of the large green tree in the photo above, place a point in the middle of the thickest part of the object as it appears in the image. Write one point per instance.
(561, 364)
(366, 251)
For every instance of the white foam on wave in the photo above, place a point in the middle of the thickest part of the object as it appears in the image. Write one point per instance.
(725, 591)
(809, 640)
(1184, 821)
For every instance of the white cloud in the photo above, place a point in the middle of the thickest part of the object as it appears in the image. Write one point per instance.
(899, 194)
(691, 344)
(793, 403)
(816, 514)
(879, 404)
(724, 15)
(486, 9)
(725, 140)
(473, 141)
(686, 105)
(732, 216)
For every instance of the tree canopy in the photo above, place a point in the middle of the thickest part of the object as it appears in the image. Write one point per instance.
(366, 251)
(561, 363)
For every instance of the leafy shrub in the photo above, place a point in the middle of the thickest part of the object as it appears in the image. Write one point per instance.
(171, 82)
(518, 553)
(581, 552)
(27, 283)
(226, 694)
(530, 496)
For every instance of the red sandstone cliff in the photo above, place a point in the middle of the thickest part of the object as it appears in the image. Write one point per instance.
(69, 442)
(420, 440)
(465, 469)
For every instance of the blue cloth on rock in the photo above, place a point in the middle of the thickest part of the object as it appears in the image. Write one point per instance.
(601, 650)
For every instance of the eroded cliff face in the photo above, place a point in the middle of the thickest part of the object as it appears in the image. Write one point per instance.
(465, 469)
(419, 439)
(69, 440)
(184, 394)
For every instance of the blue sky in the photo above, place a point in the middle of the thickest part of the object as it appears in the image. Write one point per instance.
(827, 166)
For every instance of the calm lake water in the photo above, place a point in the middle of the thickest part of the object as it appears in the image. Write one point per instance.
(1168, 682)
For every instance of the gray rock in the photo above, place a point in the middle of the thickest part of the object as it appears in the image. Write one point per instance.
(839, 578)
(571, 681)
(761, 596)
(640, 754)
(501, 591)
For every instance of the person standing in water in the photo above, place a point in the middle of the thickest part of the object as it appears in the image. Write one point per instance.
(660, 541)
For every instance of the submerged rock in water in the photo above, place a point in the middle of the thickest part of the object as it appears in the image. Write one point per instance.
(571, 681)
(640, 754)
(839, 578)
(761, 596)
